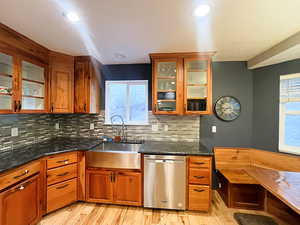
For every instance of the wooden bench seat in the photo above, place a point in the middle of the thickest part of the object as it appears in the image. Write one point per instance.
(237, 176)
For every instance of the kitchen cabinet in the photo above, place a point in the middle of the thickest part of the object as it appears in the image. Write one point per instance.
(14, 202)
(182, 83)
(87, 85)
(23, 84)
(61, 83)
(199, 183)
(114, 186)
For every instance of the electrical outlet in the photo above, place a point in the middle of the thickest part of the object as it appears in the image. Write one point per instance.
(92, 126)
(155, 127)
(56, 126)
(214, 129)
(14, 132)
(166, 127)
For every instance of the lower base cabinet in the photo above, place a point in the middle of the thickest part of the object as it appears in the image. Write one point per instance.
(114, 186)
(62, 194)
(20, 204)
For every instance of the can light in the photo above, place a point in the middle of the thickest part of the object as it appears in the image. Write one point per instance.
(72, 17)
(202, 10)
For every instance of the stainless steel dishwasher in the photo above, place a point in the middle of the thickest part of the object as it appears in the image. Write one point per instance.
(165, 181)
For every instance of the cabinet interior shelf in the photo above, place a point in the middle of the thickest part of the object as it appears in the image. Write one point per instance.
(166, 91)
(33, 81)
(5, 75)
(5, 94)
(31, 96)
(196, 98)
(196, 70)
(166, 100)
(166, 77)
(197, 85)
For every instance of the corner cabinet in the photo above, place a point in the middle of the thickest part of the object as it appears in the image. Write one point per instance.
(23, 84)
(182, 83)
(87, 85)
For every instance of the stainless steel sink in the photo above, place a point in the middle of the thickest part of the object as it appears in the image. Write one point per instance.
(115, 155)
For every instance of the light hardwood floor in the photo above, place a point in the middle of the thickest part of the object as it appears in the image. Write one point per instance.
(101, 214)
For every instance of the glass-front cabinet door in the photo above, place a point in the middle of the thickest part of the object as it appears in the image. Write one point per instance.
(33, 87)
(166, 78)
(197, 88)
(6, 83)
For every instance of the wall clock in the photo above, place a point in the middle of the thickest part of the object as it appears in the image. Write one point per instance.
(227, 108)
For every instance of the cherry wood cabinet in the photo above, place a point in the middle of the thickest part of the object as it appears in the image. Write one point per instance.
(14, 203)
(114, 186)
(87, 85)
(61, 83)
(182, 83)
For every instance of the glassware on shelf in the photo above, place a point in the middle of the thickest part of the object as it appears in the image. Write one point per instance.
(196, 92)
(33, 89)
(167, 69)
(29, 103)
(32, 72)
(5, 102)
(166, 106)
(6, 64)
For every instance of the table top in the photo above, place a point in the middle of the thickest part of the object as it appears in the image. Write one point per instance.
(284, 185)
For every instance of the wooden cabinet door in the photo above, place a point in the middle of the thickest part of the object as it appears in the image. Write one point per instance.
(127, 188)
(199, 197)
(33, 86)
(167, 86)
(197, 85)
(62, 83)
(8, 83)
(99, 186)
(20, 205)
(82, 87)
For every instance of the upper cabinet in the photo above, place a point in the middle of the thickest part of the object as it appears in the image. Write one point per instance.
(87, 85)
(182, 83)
(61, 83)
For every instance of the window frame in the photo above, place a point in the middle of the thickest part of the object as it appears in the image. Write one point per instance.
(129, 83)
(282, 114)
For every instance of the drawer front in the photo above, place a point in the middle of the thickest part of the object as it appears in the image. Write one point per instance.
(19, 174)
(60, 174)
(199, 176)
(62, 194)
(200, 162)
(199, 197)
(61, 160)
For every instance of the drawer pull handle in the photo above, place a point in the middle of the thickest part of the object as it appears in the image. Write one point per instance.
(199, 177)
(23, 186)
(21, 175)
(61, 187)
(199, 163)
(198, 190)
(63, 161)
(62, 174)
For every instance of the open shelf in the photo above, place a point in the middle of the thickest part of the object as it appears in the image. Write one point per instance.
(166, 90)
(167, 100)
(196, 98)
(31, 96)
(197, 85)
(166, 77)
(33, 81)
(196, 70)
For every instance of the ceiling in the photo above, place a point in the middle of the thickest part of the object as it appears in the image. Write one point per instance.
(237, 29)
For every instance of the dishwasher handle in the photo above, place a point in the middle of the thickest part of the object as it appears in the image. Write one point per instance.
(164, 161)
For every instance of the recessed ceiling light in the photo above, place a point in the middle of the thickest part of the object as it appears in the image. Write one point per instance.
(72, 17)
(120, 56)
(202, 10)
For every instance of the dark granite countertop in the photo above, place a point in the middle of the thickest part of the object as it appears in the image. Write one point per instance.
(175, 148)
(21, 156)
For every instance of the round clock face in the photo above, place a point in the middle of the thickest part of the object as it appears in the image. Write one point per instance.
(227, 108)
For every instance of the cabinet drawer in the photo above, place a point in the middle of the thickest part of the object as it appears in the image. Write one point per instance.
(199, 162)
(199, 197)
(60, 174)
(61, 160)
(19, 174)
(62, 194)
(199, 176)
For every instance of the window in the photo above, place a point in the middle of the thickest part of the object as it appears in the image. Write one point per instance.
(289, 114)
(128, 99)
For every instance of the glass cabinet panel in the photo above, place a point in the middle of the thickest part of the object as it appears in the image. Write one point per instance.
(196, 74)
(33, 86)
(6, 81)
(166, 85)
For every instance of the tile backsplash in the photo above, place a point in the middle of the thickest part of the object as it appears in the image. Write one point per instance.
(31, 129)
(180, 128)
(35, 128)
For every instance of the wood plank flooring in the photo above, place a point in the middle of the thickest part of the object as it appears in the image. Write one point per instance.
(101, 214)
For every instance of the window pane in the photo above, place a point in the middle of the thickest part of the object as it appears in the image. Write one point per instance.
(292, 131)
(137, 99)
(117, 100)
(292, 106)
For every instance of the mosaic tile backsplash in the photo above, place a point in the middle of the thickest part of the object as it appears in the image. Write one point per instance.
(31, 129)
(36, 128)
